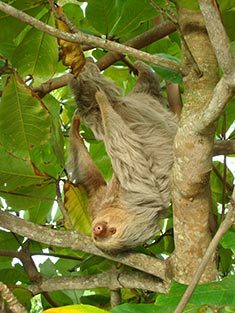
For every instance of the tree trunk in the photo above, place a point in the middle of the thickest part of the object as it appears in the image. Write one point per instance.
(193, 150)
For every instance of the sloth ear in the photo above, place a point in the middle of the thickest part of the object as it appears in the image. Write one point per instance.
(125, 149)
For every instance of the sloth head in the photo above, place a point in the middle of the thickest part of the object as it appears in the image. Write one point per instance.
(115, 230)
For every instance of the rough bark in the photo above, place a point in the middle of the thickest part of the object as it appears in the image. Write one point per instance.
(193, 156)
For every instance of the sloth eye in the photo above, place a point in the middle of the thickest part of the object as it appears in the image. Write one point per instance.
(112, 230)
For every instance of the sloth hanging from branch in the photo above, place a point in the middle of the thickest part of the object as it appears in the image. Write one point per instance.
(138, 132)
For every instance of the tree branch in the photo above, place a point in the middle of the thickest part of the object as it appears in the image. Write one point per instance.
(218, 36)
(52, 84)
(113, 279)
(225, 225)
(83, 38)
(76, 241)
(210, 113)
(222, 147)
(11, 300)
(138, 42)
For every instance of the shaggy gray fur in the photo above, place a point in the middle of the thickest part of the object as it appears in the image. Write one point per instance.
(138, 132)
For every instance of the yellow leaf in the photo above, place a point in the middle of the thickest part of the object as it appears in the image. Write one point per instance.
(76, 204)
(71, 53)
(80, 308)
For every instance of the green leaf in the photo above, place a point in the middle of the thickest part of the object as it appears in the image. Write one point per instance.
(214, 294)
(37, 54)
(59, 297)
(101, 159)
(102, 15)
(76, 204)
(95, 300)
(48, 268)
(16, 173)
(73, 12)
(9, 241)
(24, 296)
(12, 27)
(225, 260)
(135, 308)
(95, 265)
(13, 275)
(216, 182)
(26, 122)
(38, 199)
(228, 240)
(192, 5)
(132, 15)
(228, 21)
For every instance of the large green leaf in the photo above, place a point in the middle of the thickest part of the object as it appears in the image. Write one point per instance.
(37, 54)
(214, 294)
(16, 173)
(102, 14)
(36, 198)
(132, 15)
(12, 27)
(26, 122)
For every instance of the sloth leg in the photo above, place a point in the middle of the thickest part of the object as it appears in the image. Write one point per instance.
(80, 165)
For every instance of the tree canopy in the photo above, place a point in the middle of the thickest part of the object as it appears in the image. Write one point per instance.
(47, 257)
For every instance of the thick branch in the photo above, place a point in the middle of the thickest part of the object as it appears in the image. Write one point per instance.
(225, 225)
(111, 279)
(87, 39)
(210, 113)
(138, 42)
(76, 241)
(217, 34)
(222, 147)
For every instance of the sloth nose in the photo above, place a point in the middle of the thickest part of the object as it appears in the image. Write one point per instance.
(100, 229)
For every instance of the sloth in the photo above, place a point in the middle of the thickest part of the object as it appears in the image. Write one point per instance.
(138, 132)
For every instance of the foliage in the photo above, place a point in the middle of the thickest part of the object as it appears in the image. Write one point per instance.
(34, 147)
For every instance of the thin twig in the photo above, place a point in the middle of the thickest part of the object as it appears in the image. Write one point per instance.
(225, 168)
(227, 185)
(225, 225)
